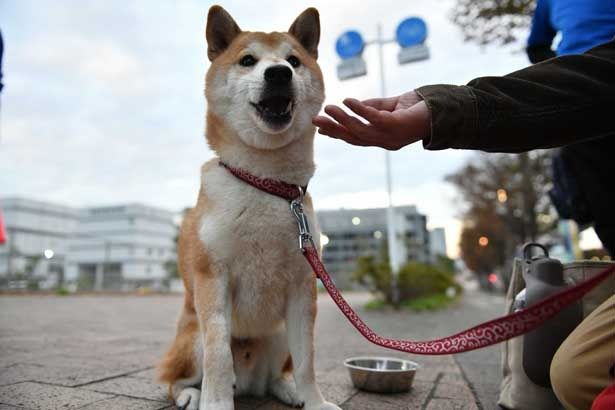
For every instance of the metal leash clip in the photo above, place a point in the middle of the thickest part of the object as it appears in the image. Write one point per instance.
(296, 206)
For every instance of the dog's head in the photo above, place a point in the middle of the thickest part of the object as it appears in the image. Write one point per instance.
(264, 87)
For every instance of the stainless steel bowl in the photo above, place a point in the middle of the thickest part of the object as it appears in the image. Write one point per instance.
(381, 374)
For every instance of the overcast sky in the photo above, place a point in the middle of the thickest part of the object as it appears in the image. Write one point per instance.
(103, 100)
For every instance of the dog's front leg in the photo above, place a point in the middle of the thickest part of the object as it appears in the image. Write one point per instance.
(300, 327)
(213, 305)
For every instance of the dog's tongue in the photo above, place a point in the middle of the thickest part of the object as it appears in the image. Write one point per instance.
(278, 105)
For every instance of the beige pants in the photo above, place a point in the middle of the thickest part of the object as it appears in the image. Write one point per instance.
(580, 368)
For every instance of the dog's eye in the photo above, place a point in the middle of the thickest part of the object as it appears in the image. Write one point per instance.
(294, 61)
(247, 60)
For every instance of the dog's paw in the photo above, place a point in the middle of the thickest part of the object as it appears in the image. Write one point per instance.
(284, 390)
(188, 399)
(325, 406)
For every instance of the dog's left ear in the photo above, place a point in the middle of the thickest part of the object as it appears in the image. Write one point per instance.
(306, 29)
(220, 32)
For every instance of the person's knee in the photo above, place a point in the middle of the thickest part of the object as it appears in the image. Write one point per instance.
(563, 377)
(568, 377)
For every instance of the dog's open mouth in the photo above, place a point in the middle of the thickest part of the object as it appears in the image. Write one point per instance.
(277, 110)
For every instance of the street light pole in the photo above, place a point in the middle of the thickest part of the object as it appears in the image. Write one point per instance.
(101, 270)
(391, 233)
(410, 35)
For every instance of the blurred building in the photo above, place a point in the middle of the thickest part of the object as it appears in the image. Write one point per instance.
(121, 247)
(111, 248)
(437, 242)
(37, 239)
(352, 233)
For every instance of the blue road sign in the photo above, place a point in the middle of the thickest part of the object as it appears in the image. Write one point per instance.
(349, 44)
(411, 31)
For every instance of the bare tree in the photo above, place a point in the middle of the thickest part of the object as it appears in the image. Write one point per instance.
(504, 198)
(493, 21)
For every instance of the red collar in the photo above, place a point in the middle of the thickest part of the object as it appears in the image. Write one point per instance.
(280, 189)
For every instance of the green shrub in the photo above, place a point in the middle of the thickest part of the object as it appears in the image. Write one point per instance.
(432, 302)
(415, 280)
(418, 280)
(62, 292)
(33, 285)
(375, 304)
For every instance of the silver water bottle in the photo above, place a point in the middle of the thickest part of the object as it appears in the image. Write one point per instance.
(544, 277)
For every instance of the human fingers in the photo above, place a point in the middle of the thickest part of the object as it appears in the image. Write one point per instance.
(356, 127)
(344, 136)
(322, 121)
(371, 114)
(336, 131)
(386, 104)
(328, 127)
(360, 133)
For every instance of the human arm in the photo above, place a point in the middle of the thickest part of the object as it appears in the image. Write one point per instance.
(541, 35)
(557, 102)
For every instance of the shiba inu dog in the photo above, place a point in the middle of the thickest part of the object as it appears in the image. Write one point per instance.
(247, 322)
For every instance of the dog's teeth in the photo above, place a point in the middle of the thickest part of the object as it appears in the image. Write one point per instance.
(288, 107)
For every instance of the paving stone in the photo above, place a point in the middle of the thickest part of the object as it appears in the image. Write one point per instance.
(454, 391)
(412, 400)
(10, 357)
(448, 404)
(488, 396)
(54, 340)
(484, 374)
(453, 378)
(147, 374)
(17, 373)
(130, 386)
(337, 393)
(70, 371)
(131, 361)
(38, 396)
(335, 385)
(68, 375)
(430, 373)
(7, 407)
(124, 403)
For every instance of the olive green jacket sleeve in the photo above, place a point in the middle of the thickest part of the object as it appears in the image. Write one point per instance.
(557, 102)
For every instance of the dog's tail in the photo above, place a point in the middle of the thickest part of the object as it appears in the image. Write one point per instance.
(179, 362)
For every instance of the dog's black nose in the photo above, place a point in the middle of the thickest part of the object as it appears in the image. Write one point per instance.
(278, 75)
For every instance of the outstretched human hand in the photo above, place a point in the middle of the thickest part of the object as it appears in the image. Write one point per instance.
(393, 122)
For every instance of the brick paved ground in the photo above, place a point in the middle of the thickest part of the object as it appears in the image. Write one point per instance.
(98, 352)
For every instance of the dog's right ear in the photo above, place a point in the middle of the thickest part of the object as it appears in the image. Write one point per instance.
(220, 32)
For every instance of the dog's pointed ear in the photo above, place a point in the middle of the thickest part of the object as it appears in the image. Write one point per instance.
(220, 32)
(306, 29)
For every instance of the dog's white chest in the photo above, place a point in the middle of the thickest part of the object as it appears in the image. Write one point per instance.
(254, 236)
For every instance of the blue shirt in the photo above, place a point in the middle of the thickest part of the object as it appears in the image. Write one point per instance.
(583, 24)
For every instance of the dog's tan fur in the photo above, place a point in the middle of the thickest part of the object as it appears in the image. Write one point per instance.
(250, 301)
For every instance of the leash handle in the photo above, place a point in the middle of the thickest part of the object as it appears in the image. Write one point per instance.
(483, 335)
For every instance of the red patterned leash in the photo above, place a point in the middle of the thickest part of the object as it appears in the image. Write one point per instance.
(483, 335)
